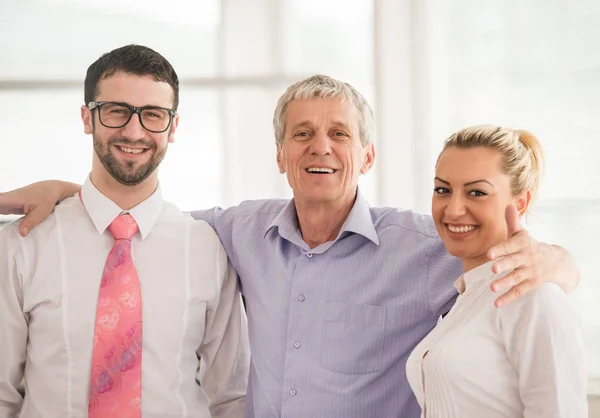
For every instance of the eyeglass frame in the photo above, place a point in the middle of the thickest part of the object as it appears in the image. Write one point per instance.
(133, 110)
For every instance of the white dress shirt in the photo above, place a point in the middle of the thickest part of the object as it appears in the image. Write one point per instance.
(191, 307)
(523, 360)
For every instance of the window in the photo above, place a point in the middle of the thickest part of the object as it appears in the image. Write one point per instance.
(428, 67)
(224, 150)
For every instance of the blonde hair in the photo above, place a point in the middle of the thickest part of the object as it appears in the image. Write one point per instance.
(522, 153)
(323, 87)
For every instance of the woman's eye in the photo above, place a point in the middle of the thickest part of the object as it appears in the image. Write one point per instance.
(477, 193)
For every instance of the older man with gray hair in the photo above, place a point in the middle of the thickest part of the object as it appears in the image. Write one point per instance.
(338, 293)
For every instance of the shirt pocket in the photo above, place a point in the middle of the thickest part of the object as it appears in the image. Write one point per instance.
(352, 338)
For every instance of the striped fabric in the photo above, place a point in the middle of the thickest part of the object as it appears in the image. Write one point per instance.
(331, 327)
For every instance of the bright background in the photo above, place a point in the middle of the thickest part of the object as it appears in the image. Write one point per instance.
(428, 67)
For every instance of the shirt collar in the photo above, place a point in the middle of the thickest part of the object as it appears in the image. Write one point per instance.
(468, 279)
(103, 211)
(359, 221)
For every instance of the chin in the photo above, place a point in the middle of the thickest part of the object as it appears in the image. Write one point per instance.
(461, 251)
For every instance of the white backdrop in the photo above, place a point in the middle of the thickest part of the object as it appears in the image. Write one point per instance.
(429, 67)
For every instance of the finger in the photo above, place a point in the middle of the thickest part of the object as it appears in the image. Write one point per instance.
(512, 220)
(33, 218)
(510, 262)
(512, 245)
(515, 293)
(510, 280)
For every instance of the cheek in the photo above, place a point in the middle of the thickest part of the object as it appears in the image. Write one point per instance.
(492, 219)
(437, 211)
(436, 207)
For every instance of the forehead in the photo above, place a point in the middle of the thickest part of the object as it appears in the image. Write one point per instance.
(464, 164)
(135, 90)
(321, 111)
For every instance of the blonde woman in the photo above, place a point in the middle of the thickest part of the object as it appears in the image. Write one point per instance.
(524, 360)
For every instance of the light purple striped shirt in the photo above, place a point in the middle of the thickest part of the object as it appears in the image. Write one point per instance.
(331, 327)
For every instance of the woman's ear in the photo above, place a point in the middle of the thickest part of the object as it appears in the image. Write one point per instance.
(522, 202)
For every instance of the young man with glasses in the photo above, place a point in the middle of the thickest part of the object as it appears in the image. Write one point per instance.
(107, 307)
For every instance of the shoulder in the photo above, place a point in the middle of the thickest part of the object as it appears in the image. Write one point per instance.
(405, 221)
(405, 229)
(69, 214)
(264, 208)
(176, 225)
(260, 209)
(546, 304)
(174, 217)
(9, 233)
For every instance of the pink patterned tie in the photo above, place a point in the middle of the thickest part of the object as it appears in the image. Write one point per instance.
(115, 385)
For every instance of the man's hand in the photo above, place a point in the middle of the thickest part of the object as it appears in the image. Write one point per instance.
(533, 263)
(36, 201)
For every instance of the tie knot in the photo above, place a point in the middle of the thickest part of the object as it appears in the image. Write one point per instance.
(123, 227)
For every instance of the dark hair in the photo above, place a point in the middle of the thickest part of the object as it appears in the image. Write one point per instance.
(131, 59)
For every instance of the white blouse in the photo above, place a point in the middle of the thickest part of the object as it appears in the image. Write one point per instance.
(523, 360)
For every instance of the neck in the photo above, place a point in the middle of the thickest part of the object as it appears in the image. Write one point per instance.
(126, 197)
(473, 262)
(321, 222)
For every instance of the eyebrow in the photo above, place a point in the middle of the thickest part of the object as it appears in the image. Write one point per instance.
(305, 123)
(340, 124)
(470, 183)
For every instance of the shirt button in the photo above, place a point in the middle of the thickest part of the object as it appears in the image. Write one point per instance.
(309, 255)
(301, 298)
(293, 392)
(297, 344)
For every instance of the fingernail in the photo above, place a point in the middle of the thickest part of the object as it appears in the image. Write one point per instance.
(25, 231)
(492, 255)
(499, 303)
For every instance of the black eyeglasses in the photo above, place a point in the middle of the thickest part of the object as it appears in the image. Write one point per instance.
(116, 115)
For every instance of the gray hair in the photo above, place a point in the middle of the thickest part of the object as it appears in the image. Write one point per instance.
(324, 87)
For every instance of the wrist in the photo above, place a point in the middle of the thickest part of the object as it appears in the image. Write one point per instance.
(60, 190)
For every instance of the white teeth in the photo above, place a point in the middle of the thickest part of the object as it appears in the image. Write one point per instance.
(319, 170)
(131, 150)
(461, 229)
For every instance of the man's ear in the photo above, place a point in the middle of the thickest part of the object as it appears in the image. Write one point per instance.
(280, 163)
(369, 159)
(174, 125)
(88, 119)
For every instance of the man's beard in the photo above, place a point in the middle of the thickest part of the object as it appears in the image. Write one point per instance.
(124, 172)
